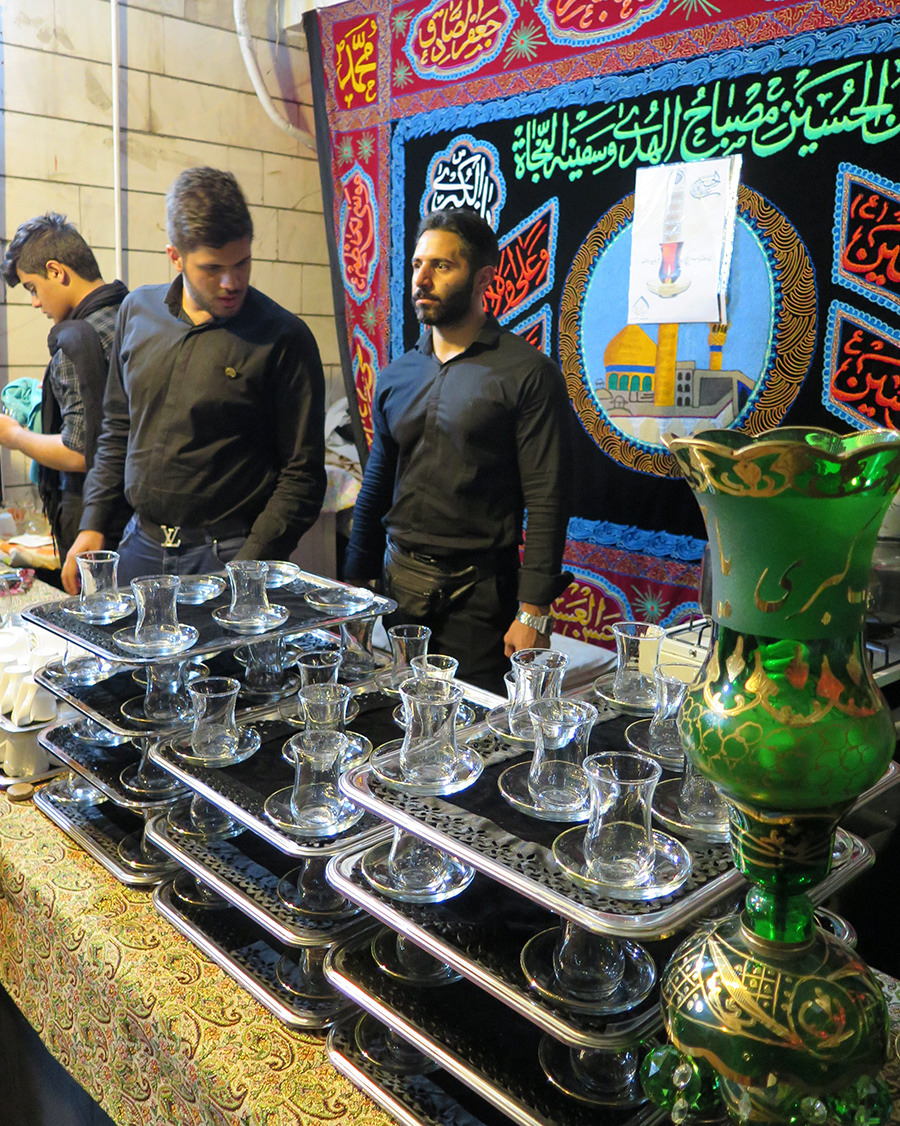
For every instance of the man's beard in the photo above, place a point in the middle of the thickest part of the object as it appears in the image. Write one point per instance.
(447, 310)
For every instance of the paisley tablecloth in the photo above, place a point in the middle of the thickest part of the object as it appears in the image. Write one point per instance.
(152, 1029)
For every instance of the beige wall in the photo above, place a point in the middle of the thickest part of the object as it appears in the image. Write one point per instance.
(186, 99)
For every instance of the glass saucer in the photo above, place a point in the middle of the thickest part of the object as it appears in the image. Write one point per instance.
(842, 848)
(259, 623)
(248, 744)
(195, 589)
(667, 812)
(671, 867)
(388, 1051)
(638, 736)
(289, 711)
(374, 867)
(359, 747)
(85, 671)
(603, 686)
(513, 785)
(183, 821)
(112, 610)
(280, 573)
(497, 720)
(89, 731)
(73, 789)
(384, 954)
(192, 670)
(303, 979)
(289, 687)
(465, 715)
(555, 1059)
(339, 599)
(277, 807)
(196, 893)
(385, 764)
(536, 961)
(175, 641)
(320, 902)
(133, 710)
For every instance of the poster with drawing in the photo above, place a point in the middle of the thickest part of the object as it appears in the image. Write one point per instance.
(681, 241)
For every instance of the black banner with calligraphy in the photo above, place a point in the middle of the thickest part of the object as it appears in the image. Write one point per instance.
(541, 127)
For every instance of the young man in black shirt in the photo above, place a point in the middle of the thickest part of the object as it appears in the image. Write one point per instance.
(471, 429)
(213, 424)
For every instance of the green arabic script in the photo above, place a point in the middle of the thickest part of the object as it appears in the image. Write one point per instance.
(763, 116)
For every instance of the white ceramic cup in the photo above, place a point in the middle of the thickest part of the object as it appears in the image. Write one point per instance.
(23, 755)
(10, 680)
(15, 641)
(34, 704)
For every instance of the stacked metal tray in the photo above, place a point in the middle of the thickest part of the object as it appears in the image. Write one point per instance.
(491, 1023)
(230, 894)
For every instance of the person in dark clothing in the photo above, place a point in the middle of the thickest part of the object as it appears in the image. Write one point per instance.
(471, 429)
(213, 424)
(49, 257)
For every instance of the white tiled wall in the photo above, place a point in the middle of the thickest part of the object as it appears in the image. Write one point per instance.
(186, 99)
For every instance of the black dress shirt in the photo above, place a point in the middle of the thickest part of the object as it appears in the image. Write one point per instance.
(460, 450)
(221, 422)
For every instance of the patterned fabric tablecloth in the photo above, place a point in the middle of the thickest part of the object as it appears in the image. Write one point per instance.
(152, 1029)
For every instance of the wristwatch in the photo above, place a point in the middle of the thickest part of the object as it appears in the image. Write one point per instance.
(543, 623)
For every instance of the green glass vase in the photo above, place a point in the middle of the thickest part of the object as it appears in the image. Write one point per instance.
(787, 720)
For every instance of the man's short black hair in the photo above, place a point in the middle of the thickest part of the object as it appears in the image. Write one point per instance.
(47, 238)
(206, 207)
(479, 243)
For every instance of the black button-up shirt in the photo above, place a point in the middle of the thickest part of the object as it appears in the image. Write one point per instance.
(460, 450)
(211, 423)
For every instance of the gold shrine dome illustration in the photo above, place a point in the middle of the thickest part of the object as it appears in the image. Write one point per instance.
(630, 359)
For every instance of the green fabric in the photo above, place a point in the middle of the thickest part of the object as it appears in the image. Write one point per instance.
(22, 400)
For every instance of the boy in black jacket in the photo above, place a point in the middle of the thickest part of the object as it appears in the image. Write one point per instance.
(58, 268)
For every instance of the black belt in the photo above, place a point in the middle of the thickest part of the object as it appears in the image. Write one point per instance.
(174, 536)
(485, 561)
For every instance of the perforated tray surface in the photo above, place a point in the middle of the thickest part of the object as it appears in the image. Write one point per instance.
(100, 829)
(475, 1038)
(212, 638)
(249, 955)
(481, 933)
(241, 791)
(246, 871)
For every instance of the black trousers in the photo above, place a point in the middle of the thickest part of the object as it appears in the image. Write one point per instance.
(467, 615)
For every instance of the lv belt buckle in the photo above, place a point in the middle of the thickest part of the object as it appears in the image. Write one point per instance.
(171, 537)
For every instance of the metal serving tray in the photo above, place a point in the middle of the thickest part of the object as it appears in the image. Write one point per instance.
(103, 701)
(432, 1099)
(99, 829)
(250, 956)
(101, 766)
(473, 1037)
(241, 792)
(481, 829)
(212, 637)
(246, 871)
(480, 933)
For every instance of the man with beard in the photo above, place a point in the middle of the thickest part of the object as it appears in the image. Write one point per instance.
(471, 430)
(213, 425)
